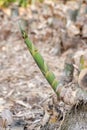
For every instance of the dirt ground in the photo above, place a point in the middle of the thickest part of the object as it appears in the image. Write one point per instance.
(26, 98)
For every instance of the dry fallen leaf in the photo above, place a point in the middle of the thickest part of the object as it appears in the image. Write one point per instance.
(84, 31)
(72, 30)
(45, 118)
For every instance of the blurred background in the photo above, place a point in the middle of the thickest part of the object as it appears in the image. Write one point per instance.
(58, 28)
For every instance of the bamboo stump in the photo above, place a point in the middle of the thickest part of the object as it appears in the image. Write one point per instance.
(76, 96)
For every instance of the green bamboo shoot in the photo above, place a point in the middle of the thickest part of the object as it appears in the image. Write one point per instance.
(49, 75)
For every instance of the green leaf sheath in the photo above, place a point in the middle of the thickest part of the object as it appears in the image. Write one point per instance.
(40, 62)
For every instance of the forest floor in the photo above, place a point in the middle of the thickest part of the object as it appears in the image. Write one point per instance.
(27, 102)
